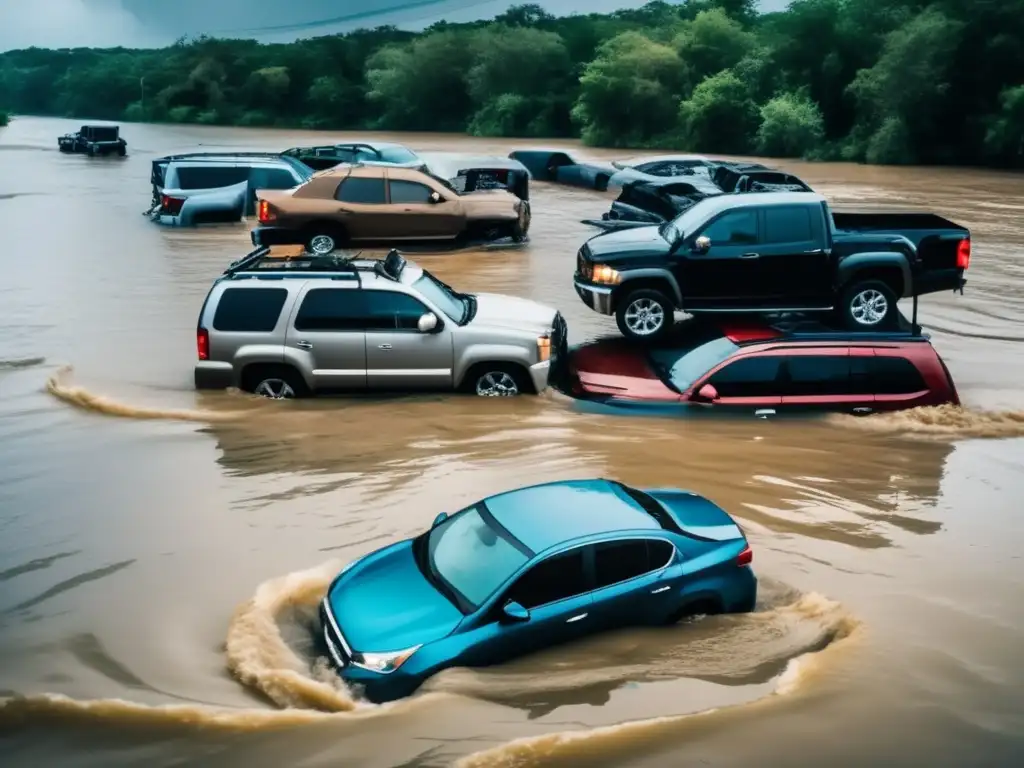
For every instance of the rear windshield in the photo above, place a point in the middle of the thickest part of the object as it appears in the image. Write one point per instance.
(253, 310)
(683, 364)
(211, 176)
(397, 155)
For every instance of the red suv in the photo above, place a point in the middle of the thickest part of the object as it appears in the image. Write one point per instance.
(767, 368)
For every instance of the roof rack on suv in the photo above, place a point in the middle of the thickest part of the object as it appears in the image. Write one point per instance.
(262, 261)
(224, 153)
(804, 329)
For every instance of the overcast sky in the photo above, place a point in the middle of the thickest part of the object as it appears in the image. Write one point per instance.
(145, 23)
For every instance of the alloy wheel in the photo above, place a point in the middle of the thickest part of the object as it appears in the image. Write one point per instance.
(322, 245)
(275, 389)
(869, 307)
(645, 317)
(497, 384)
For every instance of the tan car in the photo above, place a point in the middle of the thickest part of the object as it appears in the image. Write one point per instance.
(367, 203)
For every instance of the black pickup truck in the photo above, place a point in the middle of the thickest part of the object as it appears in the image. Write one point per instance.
(94, 140)
(770, 252)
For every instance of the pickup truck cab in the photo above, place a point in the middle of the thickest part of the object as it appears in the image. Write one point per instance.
(94, 140)
(770, 252)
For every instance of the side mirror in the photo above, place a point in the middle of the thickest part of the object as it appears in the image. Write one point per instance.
(427, 322)
(514, 613)
(435, 198)
(439, 519)
(702, 244)
(708, 393)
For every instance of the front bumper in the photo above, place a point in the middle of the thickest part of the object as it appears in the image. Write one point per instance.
(261, 236)
(540, 374)
(376, 687)
(598, 298)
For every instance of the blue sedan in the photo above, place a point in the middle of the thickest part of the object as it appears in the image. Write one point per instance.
(528, 569)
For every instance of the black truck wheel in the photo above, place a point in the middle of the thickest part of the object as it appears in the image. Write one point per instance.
(645, 314)
(868, 305)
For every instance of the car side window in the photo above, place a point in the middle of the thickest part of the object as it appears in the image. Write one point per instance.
(654, 169)
(556, 578)
(734, 228)
(409, 192)
(817, 375)
(393, 311)
(362, 191)
(787, 224)
(895, 376)
(272, 178)
(332, 309)
(252, 310)
(210, 176)
(618, 561)
(748, 377)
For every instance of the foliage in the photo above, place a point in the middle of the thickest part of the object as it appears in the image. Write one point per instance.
(791, 126)
(4, 118)
(881, 81)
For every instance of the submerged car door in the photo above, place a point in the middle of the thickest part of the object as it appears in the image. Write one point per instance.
(326, 337)
(556, 593)
(729, 273)
(747, 386)
(796, 268)
(629, 588)
(414, 214)
(398, 354)
(824, 379)
(363, 209)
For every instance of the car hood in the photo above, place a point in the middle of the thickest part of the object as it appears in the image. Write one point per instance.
(628, 243)
(385, 603)
(499, 311)
(616, 368)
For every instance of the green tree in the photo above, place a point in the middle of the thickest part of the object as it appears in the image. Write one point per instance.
(627, 93)
(720, 116)
(791, 126)
(1004, 139)
(712, 42)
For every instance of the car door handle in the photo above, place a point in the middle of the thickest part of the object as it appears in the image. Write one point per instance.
(764, 413)
(303, 345)
(814, 251)
(751, 256)
(383, 346)
(659, 590)
(577, 617)
(863, 410)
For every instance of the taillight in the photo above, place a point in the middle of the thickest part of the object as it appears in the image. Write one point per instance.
(171, 205)
(963, 254)
(264, 212)
(203, 344)
(746, 557)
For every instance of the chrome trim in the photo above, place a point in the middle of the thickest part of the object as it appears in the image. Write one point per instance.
(338, 372)
(576, 618)
(410, 372)
(334, 625)
(332, 650)
(760, 310)
(660, 590)
(592, 288)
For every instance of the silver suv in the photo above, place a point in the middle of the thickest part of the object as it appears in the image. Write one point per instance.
(289, 327)
(206, 188)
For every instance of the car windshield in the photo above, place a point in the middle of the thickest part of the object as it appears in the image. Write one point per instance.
(681, 366)
(449, 301)
(685, 222)
(471, 556)
(397, 155)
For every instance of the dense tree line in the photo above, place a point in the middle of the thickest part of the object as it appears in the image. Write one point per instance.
(879, 81)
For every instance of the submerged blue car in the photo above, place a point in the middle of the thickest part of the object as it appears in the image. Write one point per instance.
(528, 569)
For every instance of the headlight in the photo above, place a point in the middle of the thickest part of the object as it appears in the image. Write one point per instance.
(604, 274)
(544, 348)
(385, 663)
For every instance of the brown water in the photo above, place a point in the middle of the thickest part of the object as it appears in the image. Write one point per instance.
(161, 552)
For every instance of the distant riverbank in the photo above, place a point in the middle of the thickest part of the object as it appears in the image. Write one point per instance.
(885, 82)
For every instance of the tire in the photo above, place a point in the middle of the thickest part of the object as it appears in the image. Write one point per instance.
(122, 151)
(702, 607)
(601, 183)
(638, 312)
(498, 380)
(275, 382)
(91, 151)
(324, 240)
(868, 305)
(522, 225)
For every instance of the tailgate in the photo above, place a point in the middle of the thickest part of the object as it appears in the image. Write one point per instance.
(937, 238)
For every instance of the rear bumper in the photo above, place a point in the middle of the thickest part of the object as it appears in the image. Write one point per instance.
(213, 375)
(939, 280)
(598, 298)
(261, 236)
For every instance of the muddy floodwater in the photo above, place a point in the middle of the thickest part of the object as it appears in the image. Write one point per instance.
(162, 551)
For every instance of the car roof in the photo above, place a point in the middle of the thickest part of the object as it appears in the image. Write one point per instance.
(811, 332)
(634, 161)
(543, 516)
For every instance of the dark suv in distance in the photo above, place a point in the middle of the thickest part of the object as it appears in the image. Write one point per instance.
(759, 368)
